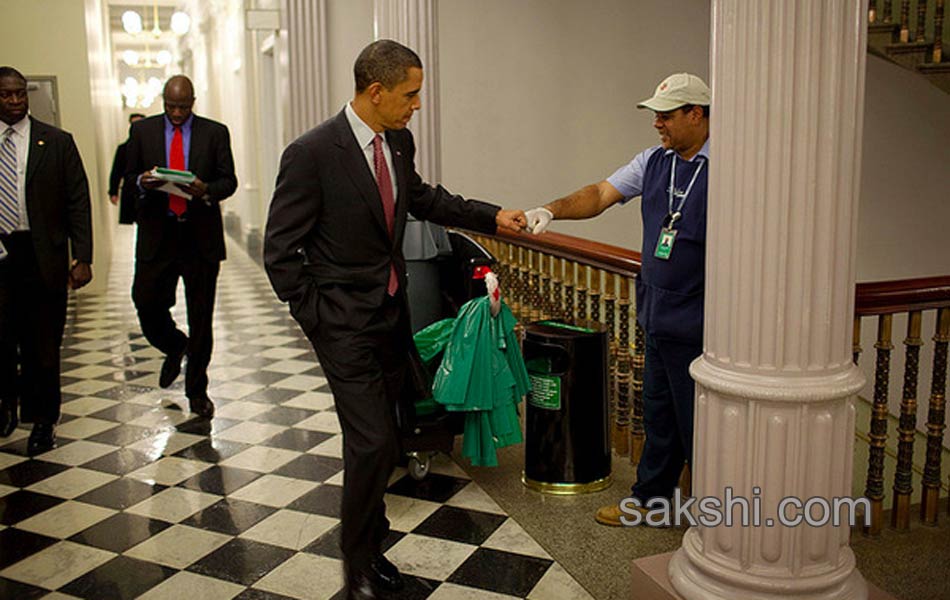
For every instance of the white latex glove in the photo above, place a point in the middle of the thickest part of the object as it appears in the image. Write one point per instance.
(538, 219)
(494, 294)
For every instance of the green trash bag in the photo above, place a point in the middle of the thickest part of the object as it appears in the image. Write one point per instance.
(430, 343)
(483, 374)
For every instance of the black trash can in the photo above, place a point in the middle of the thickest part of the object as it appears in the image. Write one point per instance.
(567, 447)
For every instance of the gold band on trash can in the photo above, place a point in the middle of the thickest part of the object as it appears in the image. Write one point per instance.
(567, 489)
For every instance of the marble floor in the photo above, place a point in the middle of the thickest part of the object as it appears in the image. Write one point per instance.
(141, 500)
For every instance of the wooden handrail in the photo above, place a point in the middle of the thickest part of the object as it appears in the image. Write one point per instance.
(904, 295)
(614, 259)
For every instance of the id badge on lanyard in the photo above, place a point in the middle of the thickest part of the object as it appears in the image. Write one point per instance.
(664, 245)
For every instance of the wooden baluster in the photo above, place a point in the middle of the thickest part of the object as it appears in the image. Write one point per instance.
(569, 279)
(534, 258)
(594, 275)
(900, 508)
(638, 434)
(581, 293)
(856, 340)
(557, 287)
(905, 20)
(544, 266)
(936, 421)
(872, 11)
(878, 430)
(610, 302)
(524, 283)
(887, 10)
(938, 32)
(921, 21)
(621, 433)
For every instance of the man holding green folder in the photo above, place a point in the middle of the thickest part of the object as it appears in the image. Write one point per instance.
(182, 167)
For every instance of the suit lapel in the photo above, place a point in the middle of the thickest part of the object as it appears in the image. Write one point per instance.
(354, 164)
(39, 140)
(402, 182)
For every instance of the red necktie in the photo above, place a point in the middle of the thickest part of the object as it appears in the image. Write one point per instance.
(385, 185)
(176, 160)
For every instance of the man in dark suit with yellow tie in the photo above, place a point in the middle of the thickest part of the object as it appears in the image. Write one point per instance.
(333, 250)
(44, 213)
(180, 236)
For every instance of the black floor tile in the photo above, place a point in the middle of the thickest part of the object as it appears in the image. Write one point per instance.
(29, 472)
(435, 487)
(272, 395)
(252, 594)
(121, 493)
(122, 413)
(123, 435)
(19, 591)
(120, 532)
(327, 544)
(230, 516)
(311, 467)
(241, 561)
(322, 500)
(16, 544)
(19, 447)
(22, 504)
(261, 377)
(120, 462)
(501, 572)
(283, 415)
(212, 450)
(220, 480)
(199, 426)
(300, 440)
(460, 525)
(122, 578)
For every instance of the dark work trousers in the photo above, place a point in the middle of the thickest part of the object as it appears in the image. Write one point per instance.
(154, 289)
(366, 371)
(32, 318)
(668, 392)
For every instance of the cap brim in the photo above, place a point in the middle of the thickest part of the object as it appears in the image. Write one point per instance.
(661, 104)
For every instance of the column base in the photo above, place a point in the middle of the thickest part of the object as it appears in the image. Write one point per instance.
(651, 579)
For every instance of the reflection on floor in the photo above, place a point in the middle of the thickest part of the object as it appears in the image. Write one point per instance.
(142, 500)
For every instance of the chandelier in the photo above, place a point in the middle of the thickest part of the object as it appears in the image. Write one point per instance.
(141, 91)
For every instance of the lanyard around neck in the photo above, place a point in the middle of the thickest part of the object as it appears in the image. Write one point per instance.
(675, 214)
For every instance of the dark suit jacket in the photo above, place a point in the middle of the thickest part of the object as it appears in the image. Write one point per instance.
(326, 247)
(209, 158)
(57, 202)
(116, 176)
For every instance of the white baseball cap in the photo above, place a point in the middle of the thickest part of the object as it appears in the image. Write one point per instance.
(678, 90)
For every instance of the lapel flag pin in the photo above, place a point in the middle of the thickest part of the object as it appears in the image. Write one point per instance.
(41, 143)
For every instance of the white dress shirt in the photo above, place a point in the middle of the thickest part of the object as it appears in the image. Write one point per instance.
(21, 140)
(364, 137)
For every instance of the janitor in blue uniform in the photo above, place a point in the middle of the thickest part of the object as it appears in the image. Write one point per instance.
(671, 180)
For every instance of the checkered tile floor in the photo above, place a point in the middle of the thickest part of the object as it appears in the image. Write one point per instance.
(140, 500)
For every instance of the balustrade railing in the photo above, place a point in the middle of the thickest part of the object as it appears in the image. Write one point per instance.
(565, 277)
(883, 301)
(928, 34)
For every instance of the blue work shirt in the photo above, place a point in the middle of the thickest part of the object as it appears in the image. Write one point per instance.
(669, 291)
(185, 139)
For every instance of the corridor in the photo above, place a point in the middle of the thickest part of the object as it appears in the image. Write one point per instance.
(140, 500)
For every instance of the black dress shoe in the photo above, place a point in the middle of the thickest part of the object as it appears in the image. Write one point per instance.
(8, 421)
(171, 368)
(385, 574)
(201, 406)
(42, 439)
(360, 587)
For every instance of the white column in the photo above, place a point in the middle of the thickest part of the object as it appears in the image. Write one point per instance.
(415, 24)
(308, 73)
(776, 385)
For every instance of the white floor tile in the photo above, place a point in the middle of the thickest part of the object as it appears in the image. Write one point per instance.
(305, 576)
(178, 546)
(66, 519)
(173, 505)
(290, 529)
(191, 585)
(428, 557)
(57, 565)
(72, 483)
(274, 490)
(260, 458)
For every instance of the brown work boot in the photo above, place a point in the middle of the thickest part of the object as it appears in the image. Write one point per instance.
(609, 515)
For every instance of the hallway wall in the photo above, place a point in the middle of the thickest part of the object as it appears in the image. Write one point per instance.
(49, 38)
